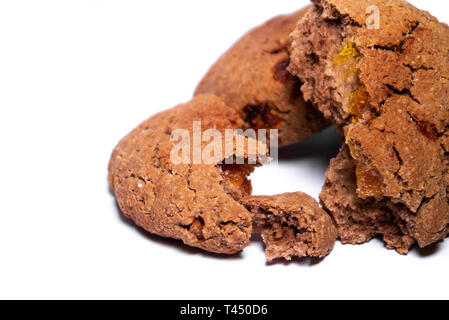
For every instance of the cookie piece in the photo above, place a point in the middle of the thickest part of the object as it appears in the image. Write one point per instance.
(253, 80)
(357, 220)
(195, 203)
(292, 225)
(386, 90)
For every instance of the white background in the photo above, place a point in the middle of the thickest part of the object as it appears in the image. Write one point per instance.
(75, 77)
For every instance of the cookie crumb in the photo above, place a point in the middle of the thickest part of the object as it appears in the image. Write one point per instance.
(292, 225)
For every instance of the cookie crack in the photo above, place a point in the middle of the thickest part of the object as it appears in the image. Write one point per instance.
(282, 48)
(397, 48)
(403, 92)
(426, 200)
(413, 28)
(189, 184)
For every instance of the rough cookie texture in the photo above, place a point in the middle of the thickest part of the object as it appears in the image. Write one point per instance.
(357, 220)
(292, 225)
(386, 90)
(194, 203)
(252, 78)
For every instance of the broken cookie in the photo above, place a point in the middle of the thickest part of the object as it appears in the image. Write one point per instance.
(252, 78)
(292, 225)
(195, 203)
(386, 89)
(358, 220)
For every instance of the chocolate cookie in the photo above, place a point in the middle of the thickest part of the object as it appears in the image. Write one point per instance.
(386, 89)
(196, 203)
(252, 78)
(292, 225)
(358, 220)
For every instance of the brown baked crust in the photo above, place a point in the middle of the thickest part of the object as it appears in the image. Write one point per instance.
(397, 135)
(192, 203)
(292, 225)
(253, 80)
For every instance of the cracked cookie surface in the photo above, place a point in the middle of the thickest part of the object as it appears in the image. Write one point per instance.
(252, 78)
(195, 203)
(387, 91)
(292, 225)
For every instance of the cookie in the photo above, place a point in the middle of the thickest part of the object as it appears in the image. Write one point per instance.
(357, 220)
(386, 89)
(292, 225)
(253, 80)
(195, 203)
